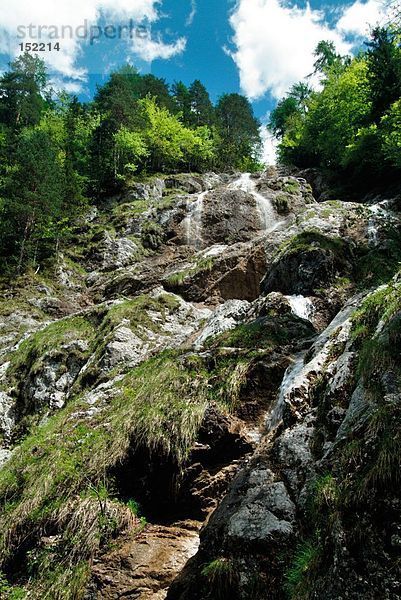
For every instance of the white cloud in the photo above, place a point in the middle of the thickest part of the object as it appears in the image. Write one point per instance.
(360, 16)
(191, 16)
(84, 14)
(148, 49)
(274, 42)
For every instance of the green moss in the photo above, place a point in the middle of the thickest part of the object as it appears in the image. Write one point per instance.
(136, 312)
(378, 265)
(310, 240)
(266, 332)
(281, 203)
(379, 305)
(292, 187)
(152, 235)
(30, 353)
(201, 265)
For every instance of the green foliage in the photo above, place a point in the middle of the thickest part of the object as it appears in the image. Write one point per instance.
(350, 128)
(391, 135)
(384, 62)
(303, 565)
(221, 577)
(238, 131)
(8, 592)
(171, 144)
(130, 150)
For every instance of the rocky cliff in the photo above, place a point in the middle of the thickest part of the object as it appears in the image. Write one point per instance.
(200, 399)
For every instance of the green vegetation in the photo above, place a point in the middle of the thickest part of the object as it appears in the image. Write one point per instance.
(378, 265)
(32, 350)
(310, 240)
(265, 332)
(281, 203)
(58, 482)
(302, 569)
(374, 452)
(351, 127)
(200, 265)
(9, 592)
(57, 153)
(221, 577)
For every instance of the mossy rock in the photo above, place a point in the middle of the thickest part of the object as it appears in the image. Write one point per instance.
(308, 262)
(265, 332)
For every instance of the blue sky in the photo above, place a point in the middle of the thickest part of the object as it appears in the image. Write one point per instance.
(256, 47)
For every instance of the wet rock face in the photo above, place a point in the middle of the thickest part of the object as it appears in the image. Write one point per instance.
(235, 272)
(305, 269)
(240, 276)
(229, 215)
(132, 569)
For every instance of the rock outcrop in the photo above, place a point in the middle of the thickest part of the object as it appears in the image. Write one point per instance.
(201, 399)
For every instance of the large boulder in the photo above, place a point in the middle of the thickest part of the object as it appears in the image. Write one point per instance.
(307, 262)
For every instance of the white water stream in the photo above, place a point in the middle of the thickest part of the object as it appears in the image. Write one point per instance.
(299, 375)
(301, 306)
(265, 208)
(381, 214)
(193, 221)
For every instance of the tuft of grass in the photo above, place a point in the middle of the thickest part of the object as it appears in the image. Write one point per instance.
(204, 264)
(10, 592)
(325, 492)
(304, 564)
(292, 187)
(221, 577)
(281, 203)
(152, 235)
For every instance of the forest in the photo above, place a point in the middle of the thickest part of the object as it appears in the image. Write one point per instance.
(350, 128)
(57, 153)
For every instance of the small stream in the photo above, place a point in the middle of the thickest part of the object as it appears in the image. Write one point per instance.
(265, 208)
(193, 221)
(299, 375)
(301, 306)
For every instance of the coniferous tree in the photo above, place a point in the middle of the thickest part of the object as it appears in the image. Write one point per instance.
(201, 107)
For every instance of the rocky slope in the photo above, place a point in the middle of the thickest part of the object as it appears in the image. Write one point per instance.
(201, 399)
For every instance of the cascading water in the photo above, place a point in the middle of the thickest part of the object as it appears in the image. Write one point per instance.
(291, 380)
(193, 222)
(301, 306)
(379, 214)
(299, 375)
(265, 207)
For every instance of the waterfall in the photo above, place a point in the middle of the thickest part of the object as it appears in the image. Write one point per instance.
(301, 306)
(265, 208)
(299, 375)
(193, 221)
(379, 214)
(291, 380)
